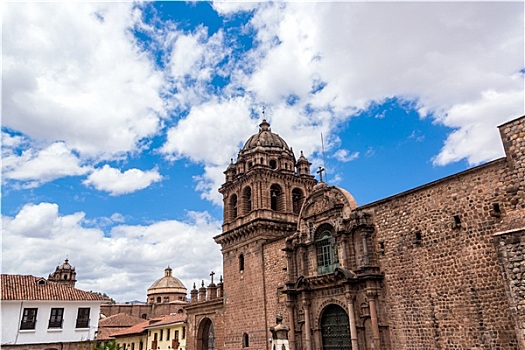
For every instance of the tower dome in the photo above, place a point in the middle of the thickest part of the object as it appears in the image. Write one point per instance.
(265, 138)
(167, 289)
(65, 274)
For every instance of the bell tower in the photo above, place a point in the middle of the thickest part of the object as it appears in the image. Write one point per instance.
(263, 195)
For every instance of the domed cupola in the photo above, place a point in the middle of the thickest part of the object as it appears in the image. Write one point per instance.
(265, 138)
(65, 274)
(167, 289)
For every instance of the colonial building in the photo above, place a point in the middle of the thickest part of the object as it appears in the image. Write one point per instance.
(42, 314)
(440, 266)
(159, 333)
(167, 295)
(64, 274)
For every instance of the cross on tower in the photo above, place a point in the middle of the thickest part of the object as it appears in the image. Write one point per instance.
(212, 274)
(320, 172)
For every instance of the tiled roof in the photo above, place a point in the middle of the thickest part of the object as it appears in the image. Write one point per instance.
(26, 287)
(165, 320)
(115, 324)
(120, 320)
(154, 322)
(136, 329)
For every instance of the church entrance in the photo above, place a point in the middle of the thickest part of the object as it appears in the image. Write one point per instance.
(206, 335)
(335, 328)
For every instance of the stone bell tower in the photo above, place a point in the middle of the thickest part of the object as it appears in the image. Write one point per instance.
(263, 194)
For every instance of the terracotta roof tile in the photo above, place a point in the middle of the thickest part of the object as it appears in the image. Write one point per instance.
(136, 329)
(120, 320)
(169, 319)
(26, 287)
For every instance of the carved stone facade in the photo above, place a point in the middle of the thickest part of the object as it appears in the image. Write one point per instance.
(436, 267)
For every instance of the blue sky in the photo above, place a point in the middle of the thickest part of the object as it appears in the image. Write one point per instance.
(118, 119)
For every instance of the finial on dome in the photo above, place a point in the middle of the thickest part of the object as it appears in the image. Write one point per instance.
(265, 126)
(167, 271)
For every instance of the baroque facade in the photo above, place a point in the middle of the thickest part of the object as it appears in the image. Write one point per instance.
(440, 266)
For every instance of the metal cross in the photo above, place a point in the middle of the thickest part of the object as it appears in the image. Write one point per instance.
(212, 274)
(320, 172)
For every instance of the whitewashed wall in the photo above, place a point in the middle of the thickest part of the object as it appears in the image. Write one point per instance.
(12, 312)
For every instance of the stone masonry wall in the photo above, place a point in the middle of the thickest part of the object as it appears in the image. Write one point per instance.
(511, 254)
(244, 297)
(444, 288)
(275, 275)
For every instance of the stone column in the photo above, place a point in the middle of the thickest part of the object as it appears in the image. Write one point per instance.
(372, 298)
(307, 329)
(291, 318)
(350, 297)
(344, 257)
(366, 259)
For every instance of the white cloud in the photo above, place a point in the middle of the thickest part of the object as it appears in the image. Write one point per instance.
(212, 132)
(229, 7)
(39, 167)
(441, 55)
(343, 155)
(476, 138)
(122, 263)
(79, 78)
(117, 183)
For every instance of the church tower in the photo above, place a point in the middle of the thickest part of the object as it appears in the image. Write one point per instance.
(263, 195)
(64, 274)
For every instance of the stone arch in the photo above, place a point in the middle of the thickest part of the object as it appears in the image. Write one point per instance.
(297, 200)
(206, 335)
(232, 204)
(276, 198)
(247, 200)
(335, 328)
(323, 306)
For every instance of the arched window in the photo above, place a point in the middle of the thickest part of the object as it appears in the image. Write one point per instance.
(233, 206)
(158, 299)
(273, 164)
(241, 263)
(247, 200)
(245, 340)
(327, 260)
(297, 200)
(276, 198)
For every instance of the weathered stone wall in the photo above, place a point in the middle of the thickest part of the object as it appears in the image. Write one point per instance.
(275, 275)
(244, 297)
(443, 283)
(511, 255)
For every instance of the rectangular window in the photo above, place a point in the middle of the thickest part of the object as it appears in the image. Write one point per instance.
(168, 334)
(176, 335)
(183, 332)
(29, 318)
(83, 317)
(56, 318)
(132, 346)
(161, 333)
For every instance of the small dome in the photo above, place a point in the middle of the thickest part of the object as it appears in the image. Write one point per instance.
(66, 266)
(265, 138)
(167, 282)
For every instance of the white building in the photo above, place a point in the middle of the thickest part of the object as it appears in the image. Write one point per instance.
(37, 311)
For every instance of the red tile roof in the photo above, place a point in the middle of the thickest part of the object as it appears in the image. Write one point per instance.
(115, 324)
(136, 329)
(26, 287)
(154, 322)
(169, 319)
(120, 320)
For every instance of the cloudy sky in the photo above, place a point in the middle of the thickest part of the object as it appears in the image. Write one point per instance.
(118, 119)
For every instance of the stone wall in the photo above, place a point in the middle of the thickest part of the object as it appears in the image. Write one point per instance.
(443, 286)
(511, 254)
